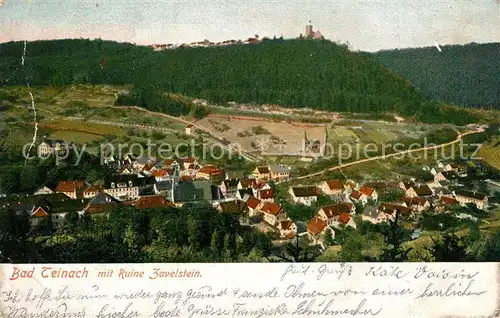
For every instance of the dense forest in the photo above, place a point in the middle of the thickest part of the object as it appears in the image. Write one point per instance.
(467, 75)
(296, 73)
(199, 233)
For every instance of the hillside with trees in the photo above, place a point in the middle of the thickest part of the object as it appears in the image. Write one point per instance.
(299, 73)
(467, 75)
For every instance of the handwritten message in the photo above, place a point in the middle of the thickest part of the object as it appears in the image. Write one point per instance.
(248, 290)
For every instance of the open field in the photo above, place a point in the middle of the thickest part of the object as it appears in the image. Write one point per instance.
(491, 153)
(80, 114)
(373, 132)
(264, 135)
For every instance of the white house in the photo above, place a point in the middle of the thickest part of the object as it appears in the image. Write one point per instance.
(122, 187)
(306, 195)
(287, 228)
(43, 190)
(468, 197)
(419, 191)
(316, 229)
(331, 187)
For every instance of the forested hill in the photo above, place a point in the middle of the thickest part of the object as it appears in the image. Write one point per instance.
(295, 73)
(467, 75)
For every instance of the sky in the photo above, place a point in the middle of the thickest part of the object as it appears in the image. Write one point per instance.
(368, 25)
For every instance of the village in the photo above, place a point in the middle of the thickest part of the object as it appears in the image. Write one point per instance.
(258, 198)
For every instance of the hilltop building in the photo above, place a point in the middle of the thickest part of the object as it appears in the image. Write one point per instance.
(310, 33)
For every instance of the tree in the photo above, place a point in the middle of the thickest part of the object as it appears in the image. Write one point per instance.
(328, 238)
(13, 233)
(71, 221)
(85, 222)
(394, 236)
(450, 248)
(391, 195)
(353, 245)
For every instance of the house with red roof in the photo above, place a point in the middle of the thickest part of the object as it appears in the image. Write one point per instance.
(152, 202)
(417, 204)
(339, 213)
(266, 195)
(371, 193)
(253, 205)
(357, 196)
(273, 212)
(331, 187)
(210, 172)
(444, 203)
(246, 183)
(72, 189)
(287, 229)
(262, 172)
(190, 161)
(163, 174)
(316, 229)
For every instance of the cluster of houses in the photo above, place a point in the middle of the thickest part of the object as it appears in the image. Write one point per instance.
(146, 183)
(207, 43)
(438, 195)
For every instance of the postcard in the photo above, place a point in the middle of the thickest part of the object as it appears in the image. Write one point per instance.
(249, 158)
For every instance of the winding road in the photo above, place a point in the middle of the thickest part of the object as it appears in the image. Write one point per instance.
(350, 164)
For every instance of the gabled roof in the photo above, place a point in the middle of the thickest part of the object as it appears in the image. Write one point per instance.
(305, 191)
(152, 202)
(316, 225)
(471, 194)
(408, 184)
(248, 191)
(414, 201)
(422, 190)
(286, 225)
(448, 201)
(247, 183)
(231, 183)
(337, 209)
(190, 160)
(93, 188)
(100, 203)
(391, 208)
(163, 172)
(356, 194)
(266, 194)
(334, 184)
(271, 208)
(366, 190)
(70, 186)
(253, 202)
(263, 170)
(39, 212)
(234, 206)
(211, 170)
(258, 184)
(344, 218)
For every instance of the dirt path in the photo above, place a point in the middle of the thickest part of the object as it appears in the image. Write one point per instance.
(457, 140)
